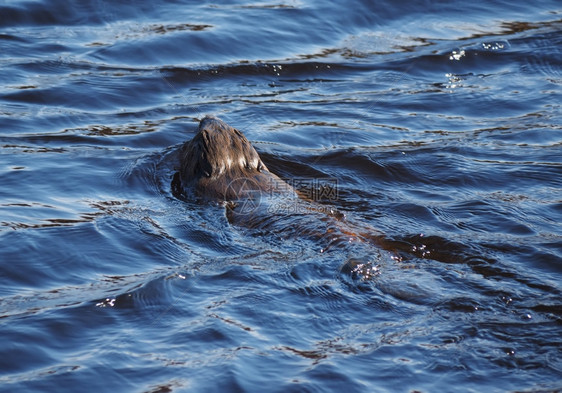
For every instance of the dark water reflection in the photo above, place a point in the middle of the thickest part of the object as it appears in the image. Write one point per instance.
(440, 124)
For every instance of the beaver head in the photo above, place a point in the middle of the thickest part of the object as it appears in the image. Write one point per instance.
(219, 162)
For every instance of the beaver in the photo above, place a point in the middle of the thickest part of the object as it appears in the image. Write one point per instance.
(219, 163)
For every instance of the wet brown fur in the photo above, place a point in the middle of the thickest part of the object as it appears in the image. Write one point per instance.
(220, 163)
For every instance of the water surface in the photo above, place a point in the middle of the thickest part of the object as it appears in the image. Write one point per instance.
(439, 125)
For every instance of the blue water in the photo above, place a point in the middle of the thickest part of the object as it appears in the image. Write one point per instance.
(439, 124)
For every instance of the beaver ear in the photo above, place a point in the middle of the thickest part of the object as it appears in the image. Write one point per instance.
(200, 171)
(203, 168)
(239, 133)
(206, 169)
(205, 136)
